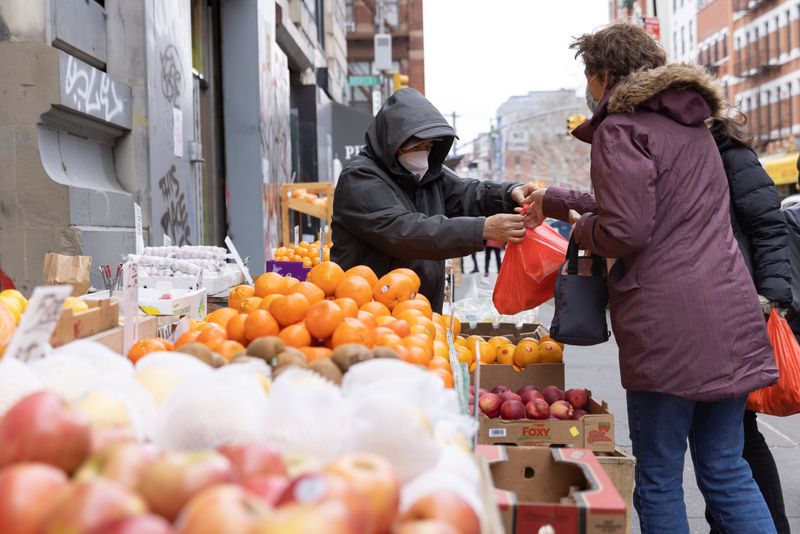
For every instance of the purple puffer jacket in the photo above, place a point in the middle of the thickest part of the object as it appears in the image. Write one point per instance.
(683, 307)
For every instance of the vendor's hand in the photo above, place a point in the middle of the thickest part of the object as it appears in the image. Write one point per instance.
(534, 216)
(519, 193)
(768, 305)
(504, 227)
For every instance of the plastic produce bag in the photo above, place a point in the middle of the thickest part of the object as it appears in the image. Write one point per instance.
(528, 273)
(782, 398)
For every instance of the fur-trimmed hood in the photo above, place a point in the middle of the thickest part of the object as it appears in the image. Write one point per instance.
(640, 87)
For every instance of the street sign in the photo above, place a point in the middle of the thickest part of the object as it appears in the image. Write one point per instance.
(364, 81)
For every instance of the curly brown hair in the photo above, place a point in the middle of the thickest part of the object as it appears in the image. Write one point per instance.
(619, 49)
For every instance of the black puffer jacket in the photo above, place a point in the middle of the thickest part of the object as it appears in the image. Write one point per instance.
(386, 218)
(757, 222)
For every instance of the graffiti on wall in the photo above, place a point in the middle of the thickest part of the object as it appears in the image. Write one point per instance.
(175, 220)
(92, 91)
(171, 75)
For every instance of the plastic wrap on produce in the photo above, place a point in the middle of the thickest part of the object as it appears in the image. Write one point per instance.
(120, 401)
(65, 374)
(105, 360)
(16, 382)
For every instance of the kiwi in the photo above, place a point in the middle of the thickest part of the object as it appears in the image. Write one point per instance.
(199, 351)
(217, 360)
(289, 357)
(326, 368)
(265, 348)
(346, 356)
(280, 369)
(385, 352)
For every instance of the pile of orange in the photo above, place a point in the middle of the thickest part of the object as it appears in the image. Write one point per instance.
(308, 253)
(500, 350)
(311, 198)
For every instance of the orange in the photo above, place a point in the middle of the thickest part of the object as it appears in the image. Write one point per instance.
(410, 316)
(548, 338)
(488, 353)
(392, 289)
(423, 330)
(364, 272)
(222, 316)
(266, 301)
(456, 324)
(289, 309)
(460, 341)
(445, 375)
(367, 318)
(356, 288)
(195, 324)
(422, 342)
(295, 335)
(270, 284)
(420, 296)
(389, 340)
(316, 353)
(441, 333)
(465, 355)
(505, 354)
(229, 349)
(380, 331)
(291, 281)
(437, 318)
(187, 337)
(416, 355)
(308, 290)
(400, 327)
(499, 341)
(348, 306)
(440, 349)
(250, 304)
(375, 308)
(527, 352)
(145, 346)
(238, 294)
(411, 276)
(472, 340)
(437, 362)
(352, 331)
(415, 304)
(327, 276)
(260, 324)
(550, 352)
(211, 334)
(401, 351)
(308, 263)
(384, 320)
(323, 318)
(235, 328)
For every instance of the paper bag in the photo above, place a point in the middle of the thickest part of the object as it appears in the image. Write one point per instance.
(72, 270)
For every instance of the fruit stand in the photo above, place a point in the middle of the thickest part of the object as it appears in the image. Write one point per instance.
(309, 198)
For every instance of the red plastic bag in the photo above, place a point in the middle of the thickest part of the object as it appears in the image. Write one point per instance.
(782, 398)
(528, 273)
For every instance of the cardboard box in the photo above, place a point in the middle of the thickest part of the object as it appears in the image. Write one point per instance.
(491, 522)
(509, 330)
(173, 301)
(539, 375)
(113, 339)
(621, 469)
(593, 431)
(565, 489)
(102, 315)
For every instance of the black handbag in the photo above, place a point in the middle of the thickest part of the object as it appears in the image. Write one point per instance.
(581, 298)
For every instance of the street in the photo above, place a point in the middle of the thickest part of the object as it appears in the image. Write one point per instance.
(596, 368)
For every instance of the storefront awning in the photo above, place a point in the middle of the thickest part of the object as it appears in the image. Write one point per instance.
(782, 168)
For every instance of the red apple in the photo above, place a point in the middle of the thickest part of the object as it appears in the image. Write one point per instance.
(552, 394)
(561, 410)
(253, 460)
(430, 526)
(375, 480)
(268, 487)
(578, 414)
(44, 428)
(489, 404)
(171, 481)
(224, 508)
(530, 395)
(27, 491)
(512, 409)
(321, 488)
(136, 524)
(331, 517)
(578, 398)
(521, 391)
(510, 395)
(121, 462)
(500, 389)
(86, 506)
(445, 506)
(537, 409)
(103, 436)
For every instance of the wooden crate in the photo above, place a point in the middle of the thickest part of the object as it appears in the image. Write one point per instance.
(298, 206)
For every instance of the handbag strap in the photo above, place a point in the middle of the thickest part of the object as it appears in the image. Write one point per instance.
(598, 262)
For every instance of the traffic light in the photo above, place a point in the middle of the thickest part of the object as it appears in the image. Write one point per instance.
(573, 121)
(399, 81)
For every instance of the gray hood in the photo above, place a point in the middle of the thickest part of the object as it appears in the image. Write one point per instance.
(405, 114)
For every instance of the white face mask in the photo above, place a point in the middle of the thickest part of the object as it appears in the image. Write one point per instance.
(415, 162)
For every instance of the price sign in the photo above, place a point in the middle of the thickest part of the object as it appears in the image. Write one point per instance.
(38, 323)
(130, 304)
(239, 262)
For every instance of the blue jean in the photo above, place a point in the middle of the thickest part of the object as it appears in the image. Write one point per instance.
(660, 425)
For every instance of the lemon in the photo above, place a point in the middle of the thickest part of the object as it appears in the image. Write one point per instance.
(13, 305)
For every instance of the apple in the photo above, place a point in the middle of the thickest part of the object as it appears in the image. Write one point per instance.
(500, 389)
(578, 398)
(537, 409)
(27, 491)
(561, 410)
(510, 395)
(512, 409)
(136, 524)
(444, 506)
(489, 404)
(171, 481)
(44, 428)
(223, 508)
(253, 460)
(86, 506)
(430, 526)
(320, 488)
(375, 480)
(521, 391)
(331, 517)
(121, 462)
(268, 487)
(552, 394)
(103, 437)
(530, 395)
(578, 414)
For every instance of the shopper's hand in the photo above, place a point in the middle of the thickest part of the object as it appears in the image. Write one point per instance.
(504, 227)
(767, 306)
(519, 193)
(534, 213)
(574, 217)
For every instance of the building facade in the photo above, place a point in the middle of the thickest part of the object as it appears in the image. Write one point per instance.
(400, 18)
(189, 108)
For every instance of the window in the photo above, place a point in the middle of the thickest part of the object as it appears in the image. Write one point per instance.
(691, 34)
(674, 6)
(516, 160)
(777, 37)
(790, 110)
(788, 32)
(683, 41)
(675, 43)
(724, 46)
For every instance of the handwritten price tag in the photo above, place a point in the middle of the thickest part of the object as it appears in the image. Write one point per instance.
(38, 323)
(239, 262)
(130, 304)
